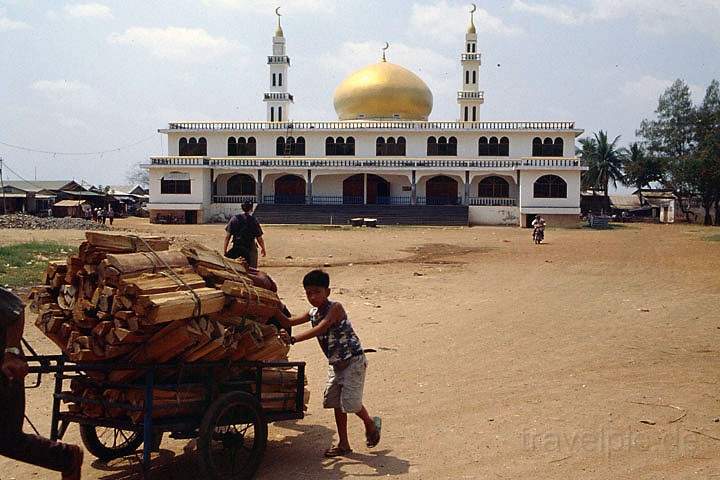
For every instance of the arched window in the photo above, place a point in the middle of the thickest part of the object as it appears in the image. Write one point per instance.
(494, 187)
(339, 146)
(474, 77)
(558, 147)
(280, 146)
(274, 82)
(232, 150)
(474, 115)
(537, 147)
(241, 184)
(467, 77)
(494, 147)
(272, 114)
(183, 147)
(379, 147)
(467, 114)
(202, 147)
(550, 186)
(290, 189)
(280, 79)
(250, 147)
(483, 148)
(441, 190)
(299, 147)
(432, 147)
(280, 117)
(401, 146)
(451, 149)
(504, 147)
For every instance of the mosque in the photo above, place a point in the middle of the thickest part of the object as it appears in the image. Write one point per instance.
(382, 158)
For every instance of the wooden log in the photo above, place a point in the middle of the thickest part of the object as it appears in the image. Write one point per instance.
(166, 307)
(162, 282)
(115, 265)
(123, 243)
(202, 256)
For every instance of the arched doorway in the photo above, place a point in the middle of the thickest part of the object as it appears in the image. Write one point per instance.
(354, 190)
(241, 184)
(290, 189)
(378, 190)
(441, 190)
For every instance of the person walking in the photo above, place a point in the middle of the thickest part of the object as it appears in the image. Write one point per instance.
(14, 443)
(111, 214)
(246, 235)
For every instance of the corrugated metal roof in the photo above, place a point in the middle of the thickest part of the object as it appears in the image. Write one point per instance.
(70, 203)
(37, 185)
(625, 202)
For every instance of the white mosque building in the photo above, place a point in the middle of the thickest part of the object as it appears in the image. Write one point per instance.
(382, 158)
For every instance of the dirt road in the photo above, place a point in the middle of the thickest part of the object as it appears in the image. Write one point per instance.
(593, 356)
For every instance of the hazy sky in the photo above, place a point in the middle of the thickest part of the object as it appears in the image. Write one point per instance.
(85, 77)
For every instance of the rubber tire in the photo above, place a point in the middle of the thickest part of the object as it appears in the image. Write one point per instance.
(92, 443)
(207, 428)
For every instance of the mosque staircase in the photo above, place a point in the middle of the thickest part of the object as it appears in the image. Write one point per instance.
(450, 215)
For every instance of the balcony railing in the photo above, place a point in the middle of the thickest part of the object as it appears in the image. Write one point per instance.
(471, 56)
(439, 200)
(370, 125)
(278, 59)
(234, 198)
(491, 202)
(470, 95)
(359, 163)
(278, 96)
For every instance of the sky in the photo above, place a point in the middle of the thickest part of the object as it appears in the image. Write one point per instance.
(90, 77)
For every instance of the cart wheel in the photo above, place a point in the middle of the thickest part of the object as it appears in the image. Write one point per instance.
(106, 443)
(232, 437)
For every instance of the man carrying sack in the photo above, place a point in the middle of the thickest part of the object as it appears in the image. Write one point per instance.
(15, 444)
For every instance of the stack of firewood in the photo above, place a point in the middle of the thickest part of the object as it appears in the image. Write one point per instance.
(131, 299)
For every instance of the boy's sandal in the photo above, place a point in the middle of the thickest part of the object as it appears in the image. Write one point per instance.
(373, 438)
(337, 452)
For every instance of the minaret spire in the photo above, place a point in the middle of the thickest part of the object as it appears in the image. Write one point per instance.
(277, 98)
(470, 97)
(384, 49)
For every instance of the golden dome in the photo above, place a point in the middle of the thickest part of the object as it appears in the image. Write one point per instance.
(383, 91)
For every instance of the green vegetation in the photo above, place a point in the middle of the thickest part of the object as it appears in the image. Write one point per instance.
(713, 238)
(22, 264)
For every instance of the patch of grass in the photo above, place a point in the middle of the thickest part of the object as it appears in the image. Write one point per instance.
(713, 238)
(22, 264)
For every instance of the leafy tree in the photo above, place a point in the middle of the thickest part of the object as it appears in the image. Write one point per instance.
(671, 139)
(136, 175)
(705, 172)
(604, 159)
(640, 169)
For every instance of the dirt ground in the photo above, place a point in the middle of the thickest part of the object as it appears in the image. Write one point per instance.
(593, 356)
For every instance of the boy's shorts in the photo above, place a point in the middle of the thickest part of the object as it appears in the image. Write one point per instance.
(344, 388)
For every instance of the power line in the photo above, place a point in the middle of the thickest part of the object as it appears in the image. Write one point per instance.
(100, 152)
(5, 164)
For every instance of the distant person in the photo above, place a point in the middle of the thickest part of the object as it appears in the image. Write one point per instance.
(246, 235)
(341, 346)
(14, 443)
(101, 215)
(538, 225)
(94, 214)
(111, 214)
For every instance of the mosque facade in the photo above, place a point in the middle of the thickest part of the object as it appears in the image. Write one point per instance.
(381, 155)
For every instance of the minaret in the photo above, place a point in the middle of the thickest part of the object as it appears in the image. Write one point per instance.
(278, 99)
(470, 97)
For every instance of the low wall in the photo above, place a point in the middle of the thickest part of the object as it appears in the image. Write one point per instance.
(555, 220)
(493, 215)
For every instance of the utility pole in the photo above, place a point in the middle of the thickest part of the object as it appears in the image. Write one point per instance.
(2, 186)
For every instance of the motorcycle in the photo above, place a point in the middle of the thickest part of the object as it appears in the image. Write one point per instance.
(538, 235)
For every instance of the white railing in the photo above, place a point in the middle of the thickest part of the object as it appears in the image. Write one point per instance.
(278, 96)
(551, 162)
(377, 125)
(491, 202)
(471, 56)
(278, 59)
(405, 163)
(470, 95)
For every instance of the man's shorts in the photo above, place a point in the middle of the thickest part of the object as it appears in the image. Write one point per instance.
(344, 388)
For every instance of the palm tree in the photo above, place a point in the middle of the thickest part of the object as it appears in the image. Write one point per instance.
(604, 159)
(641, 169)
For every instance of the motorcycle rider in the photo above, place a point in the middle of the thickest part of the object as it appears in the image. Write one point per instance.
(538, 225)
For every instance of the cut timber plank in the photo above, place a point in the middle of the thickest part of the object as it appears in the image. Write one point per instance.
(161, 282)
(120, 243)
(166, 307)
